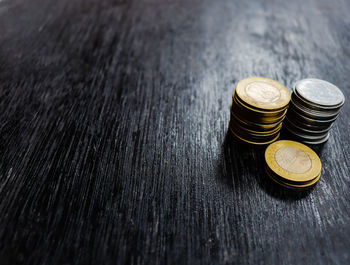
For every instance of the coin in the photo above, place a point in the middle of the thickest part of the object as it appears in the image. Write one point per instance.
(294, 115)
(319, 92)
(314, 114)
(303, 130)
(256, 116)
(262, 93)
(293, 161)
(297, 187)
(307, 126)
(255, 126)
(307, 137)
(234, 124)
(258, 108)
(315, 105)
(254, 142)
(295, 99)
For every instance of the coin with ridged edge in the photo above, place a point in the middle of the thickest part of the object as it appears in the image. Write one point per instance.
(319, 92)
(258, 108)
(315, 105)
(262, 93)
(293, 161)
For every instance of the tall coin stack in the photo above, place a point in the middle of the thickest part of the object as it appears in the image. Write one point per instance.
(258, 107)
(315, 105)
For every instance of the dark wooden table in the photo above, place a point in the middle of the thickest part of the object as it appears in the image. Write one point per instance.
(113, 133)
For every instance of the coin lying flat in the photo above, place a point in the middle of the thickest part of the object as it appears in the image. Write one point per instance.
(292, 186)
(292, 163)
(314, 107)
(319, 92)
(263, 93)
(254, 142)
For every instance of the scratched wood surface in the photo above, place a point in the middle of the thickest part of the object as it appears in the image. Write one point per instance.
(113, 133)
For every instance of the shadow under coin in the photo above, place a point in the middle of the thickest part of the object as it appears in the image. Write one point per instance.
(318, 148)
(240, 163)
(279, 192)
(243, 166)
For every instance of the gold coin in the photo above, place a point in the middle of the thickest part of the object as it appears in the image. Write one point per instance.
(288, 182)
(293, 186)
(293, 161)
(256, 116)
(254, 142)
(254, 125)
(235, 124)
(262, 93)
(268, 113)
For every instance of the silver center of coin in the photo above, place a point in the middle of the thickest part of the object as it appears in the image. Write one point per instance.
(293, 160)
(319, 92)
(262, 92)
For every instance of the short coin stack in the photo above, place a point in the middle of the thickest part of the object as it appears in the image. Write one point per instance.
(292, 165)
(258, 107)
(315, 105)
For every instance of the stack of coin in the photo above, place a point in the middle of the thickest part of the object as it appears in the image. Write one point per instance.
(258, 107)
(292, 165)
(315, 105)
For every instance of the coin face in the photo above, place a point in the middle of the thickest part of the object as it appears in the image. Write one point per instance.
(262, 92)
(319, 92)
(293, 160)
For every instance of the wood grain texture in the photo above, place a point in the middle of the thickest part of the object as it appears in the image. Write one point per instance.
(113, 132)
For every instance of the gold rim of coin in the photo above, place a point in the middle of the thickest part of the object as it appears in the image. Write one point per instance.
(293, 161)
(289, 182)
(261, 126)
(254, 116)
(254, 143)
(272, 113)
(235, 124)
(294, 187)
(263, 93)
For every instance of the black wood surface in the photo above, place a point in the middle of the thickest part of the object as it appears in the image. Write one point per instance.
(113, 132)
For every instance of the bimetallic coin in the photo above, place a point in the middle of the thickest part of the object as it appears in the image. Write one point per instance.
(319, 92)
(262, 93)
(234, 124)
(254, 125)
(258, 108)
(297, 187)
(288, 182)
(261, 112)
(293, 161)
(254, 142)
(251, 115)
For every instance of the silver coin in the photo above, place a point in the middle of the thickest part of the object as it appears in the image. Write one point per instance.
(318, 141)
(319, 92)
(330, 110)
(309, 141)
(304, 136)
(322, 114)
(313, 114)
(294, 115)
(304, 130)
(309, 126)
